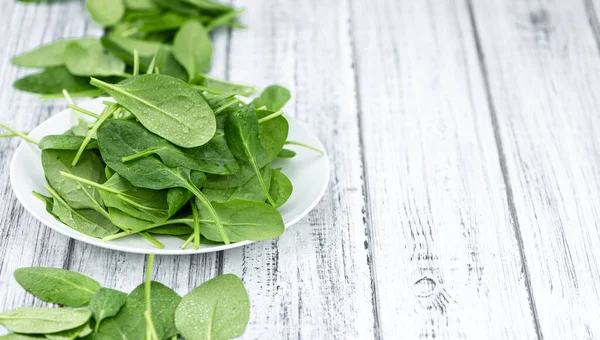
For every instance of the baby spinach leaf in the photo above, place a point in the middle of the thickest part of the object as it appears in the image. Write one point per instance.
(286, 153)
(281, 187)
(65, 142)
(48, 201)
(166, 63)
(273, 98)
(242, 134)
(173, 229)
(123, 47)
(15, 336)
(90, 59)
(105, 12)
(208, 6)
(86, 221)
(106, 303)
(43, 320)
(162, 22)
(129, 223)
(75, 194)
(217, 309)
(251, 190)
(242, 220)
(58, 286)
(49, 55)
(177, 6)
(192, 48)
(52, 81)
(71, 333)
(147, 172)
(166, 106)
(273, 134)
(226, 18)
(140, 5)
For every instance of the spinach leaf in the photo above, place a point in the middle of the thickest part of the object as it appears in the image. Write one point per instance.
(242, 220)
(251, 190)
(147, 172)
(286, 153)
(123, 47)
(281, 187)
(49, 55)
(217, 309)
(105, 12)
(166, 63)
(273, 134)
(90, 59)
(208, 6)
(166, 106)
(192, 48)
(58, 286)
(162, 22)
(140, 5)
(52, 81)
(71, 333)
(86, 221)
(15, 336)
(76, 195)
(43, 320)
(49, 201)
(273, 98)
(242, 134)
(106, 303)
(173, 229)
(65, 142)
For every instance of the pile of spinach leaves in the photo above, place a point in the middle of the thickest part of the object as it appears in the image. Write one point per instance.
(217, 309)
(170, 36)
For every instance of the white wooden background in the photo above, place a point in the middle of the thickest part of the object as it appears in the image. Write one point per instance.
(464, 201)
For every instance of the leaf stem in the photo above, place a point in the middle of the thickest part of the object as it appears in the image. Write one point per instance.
(80, 94)
(136, 62)
(289, 142)
(188, 241)
(211, 210)
(269, 117)
(150, 330)
(224, 19)
(8, 135)
(88, 182)
(261, 181)
(152, 62)
(226, 105)
(140, 154)
(84, 111)
(92, 132)
(196, 228)
(152, 239)
(20, 134)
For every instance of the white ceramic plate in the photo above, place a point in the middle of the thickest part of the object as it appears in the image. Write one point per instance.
(308, 171)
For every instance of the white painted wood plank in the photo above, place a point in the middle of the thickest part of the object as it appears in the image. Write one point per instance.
(445, 256)
(314, 281)
(544, 75)
(24, 241)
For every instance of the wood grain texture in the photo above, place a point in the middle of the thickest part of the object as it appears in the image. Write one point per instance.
(543, 67)
(445, 255)
(313, 282)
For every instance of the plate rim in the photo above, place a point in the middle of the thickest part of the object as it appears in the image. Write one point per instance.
(69, 232)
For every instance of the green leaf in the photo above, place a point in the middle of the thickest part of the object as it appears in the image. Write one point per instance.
(273, 134)
(281, 188)
(77, 195)
(192, 48)
(106, 303)
(140, 5)
(251, 190)
(58, 286)
(65, 142)
(49, 55)
(286, 153)
(242, 220)
(166, 64)
(166, 106)
(14, 336)
(43, 320)
(123, 47)
(90, 59)
(53, 81)
(218, 309)
(71, 333)
(105, 12)
(208, 6)
(49, 201)
(273, 97)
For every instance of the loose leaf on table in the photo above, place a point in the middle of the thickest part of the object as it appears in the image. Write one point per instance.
(192, 48)
(286, 153)
(14, 336)
(76, 194)
(90, 59)
(86, 221)
(105, 12)
(65, 142)
(49, 55)
(78, 332)
(166, 106)
(129, 323)
(58, 286)
(53, 81)
(106, 303)
(251, 190)
(273, 98)
(43, 320)
(242, 134)
(242, 220)
(147, 172)
(217, 309)
(281, 187)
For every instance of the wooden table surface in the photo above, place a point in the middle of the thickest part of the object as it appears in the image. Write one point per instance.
(464, 198)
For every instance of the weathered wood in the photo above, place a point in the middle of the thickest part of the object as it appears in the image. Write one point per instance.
(444, 251)
(543, 67)
(314, 281)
